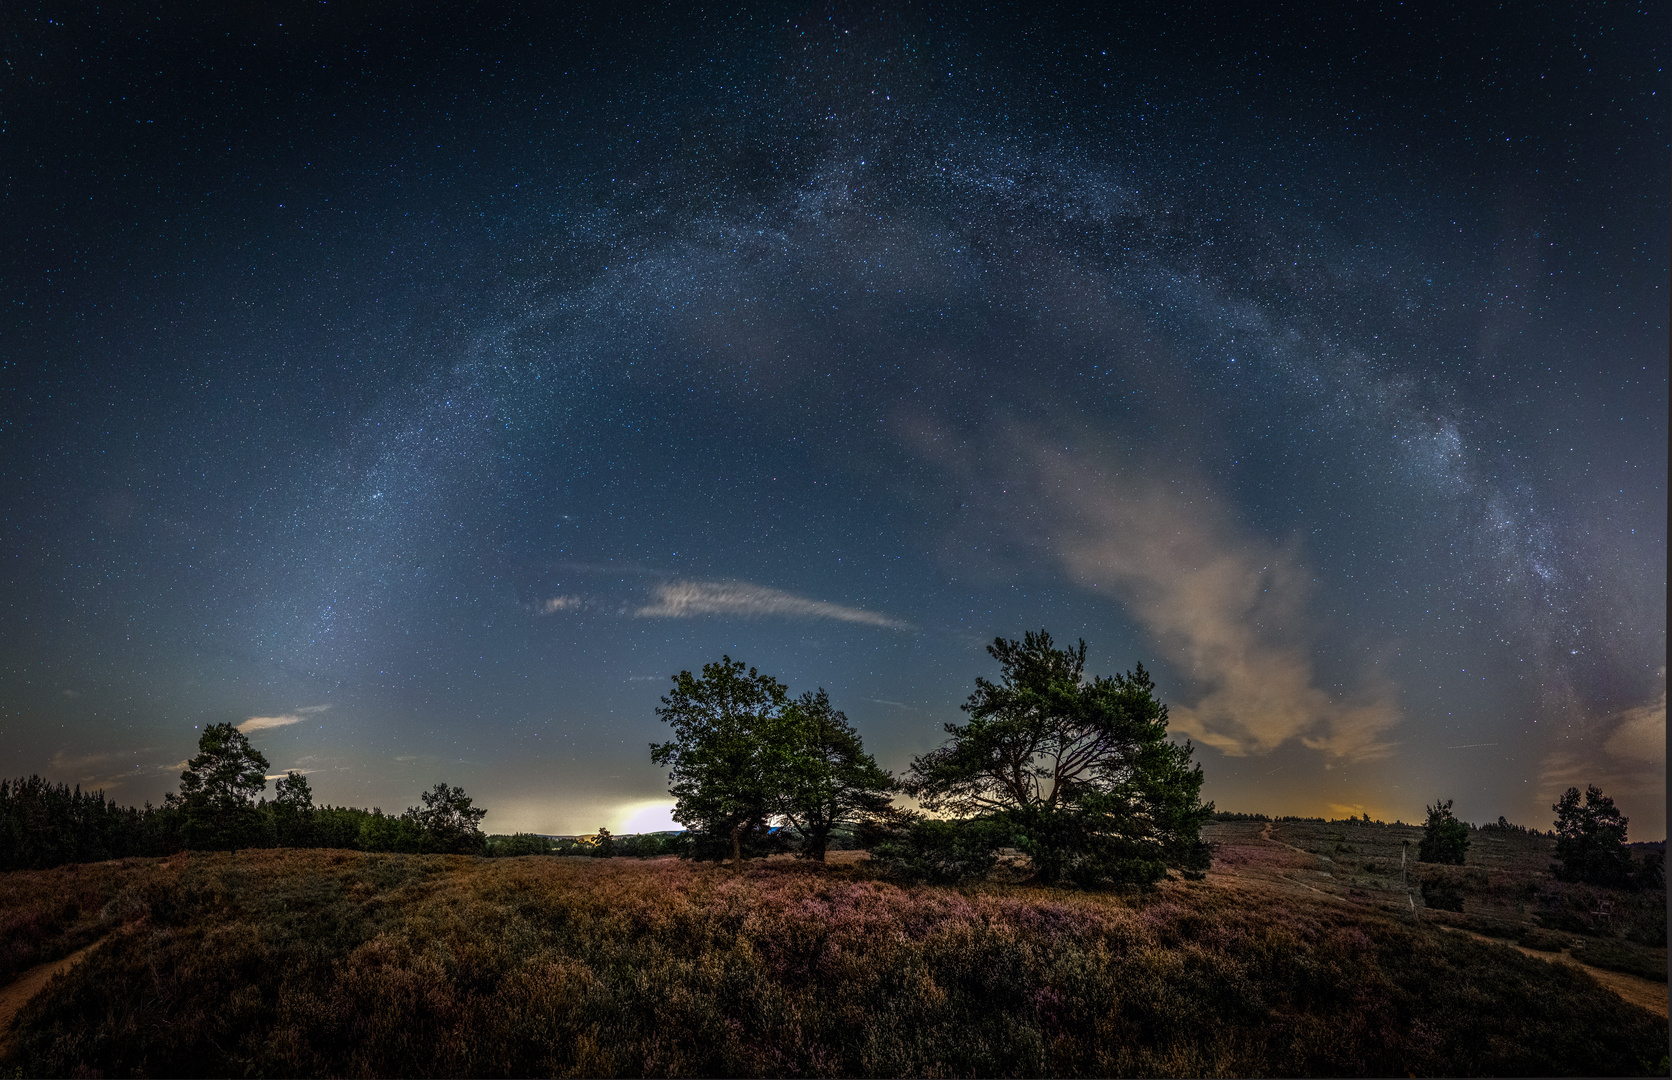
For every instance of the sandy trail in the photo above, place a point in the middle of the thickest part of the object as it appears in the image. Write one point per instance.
(1649, 994)
(15, 994)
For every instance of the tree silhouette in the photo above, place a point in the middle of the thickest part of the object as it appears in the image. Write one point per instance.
(1591, 840)
(1445, 839)
(826, 777)
(1081, 769)
(722, 767)
(218, 790)
(448, 821)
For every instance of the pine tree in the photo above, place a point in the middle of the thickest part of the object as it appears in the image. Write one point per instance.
(1081, 769)
(1591, 840)
(218, 790)
(1446, 840)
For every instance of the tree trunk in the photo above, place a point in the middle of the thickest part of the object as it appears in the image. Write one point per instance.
(737, 848)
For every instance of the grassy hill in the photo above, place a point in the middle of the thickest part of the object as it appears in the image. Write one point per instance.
(1298, 955)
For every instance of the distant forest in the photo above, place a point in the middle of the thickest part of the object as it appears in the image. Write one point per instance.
(43, 824)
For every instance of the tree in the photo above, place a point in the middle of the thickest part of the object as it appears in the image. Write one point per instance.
(292, 811)
(1591, 840)
(827, 778)
(1446, 839)
(1081, 769)
(448, 822)
(391, 832)
(218, 790)
(722, 766)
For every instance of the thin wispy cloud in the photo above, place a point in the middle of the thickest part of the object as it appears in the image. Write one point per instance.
(104, 771)
(560, 603)
(264, 723)
(62, 762)
(685, 599)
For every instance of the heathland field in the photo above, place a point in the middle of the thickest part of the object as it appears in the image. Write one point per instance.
(1299, 954)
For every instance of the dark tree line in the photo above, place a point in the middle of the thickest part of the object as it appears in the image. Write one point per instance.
(220, 807)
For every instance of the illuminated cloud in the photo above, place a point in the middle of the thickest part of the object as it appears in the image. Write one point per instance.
(1640, 734)
(560, 603)
(263, 723)
(1625, 756)
(682, 599)
(1227, 607)
(62, 762)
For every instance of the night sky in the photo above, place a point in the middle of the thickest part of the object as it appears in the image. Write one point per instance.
(420, 386)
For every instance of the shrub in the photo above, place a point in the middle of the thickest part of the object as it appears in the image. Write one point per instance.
(1443, 895)
(945, 852)
(316, 963)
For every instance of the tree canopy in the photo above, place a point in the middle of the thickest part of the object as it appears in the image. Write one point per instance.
(1445, 839)
(826, 778)
(1591, 839)
(745, 756)
(218, 790)
(1081, 768)
(448, 821)
(720, 760)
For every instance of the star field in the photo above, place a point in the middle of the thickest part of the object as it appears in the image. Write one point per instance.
(439, 384)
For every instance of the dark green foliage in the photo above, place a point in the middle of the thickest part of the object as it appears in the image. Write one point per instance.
(1591, 841)
(518, 844)
(653, 845)
(448, 823)
(827, 778)
(390, 832)
(291, 812)
(720, 763)
(1081, 770)
(944, 852)
(746, 759)
(218, 790)
(1504, 825)
(43, 824)
(1445, 839)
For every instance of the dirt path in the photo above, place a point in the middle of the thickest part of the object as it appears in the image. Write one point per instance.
(1649, 994)
(15, 994)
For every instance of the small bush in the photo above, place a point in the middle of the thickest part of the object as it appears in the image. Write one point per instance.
(944, 852)
(1443, 895)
